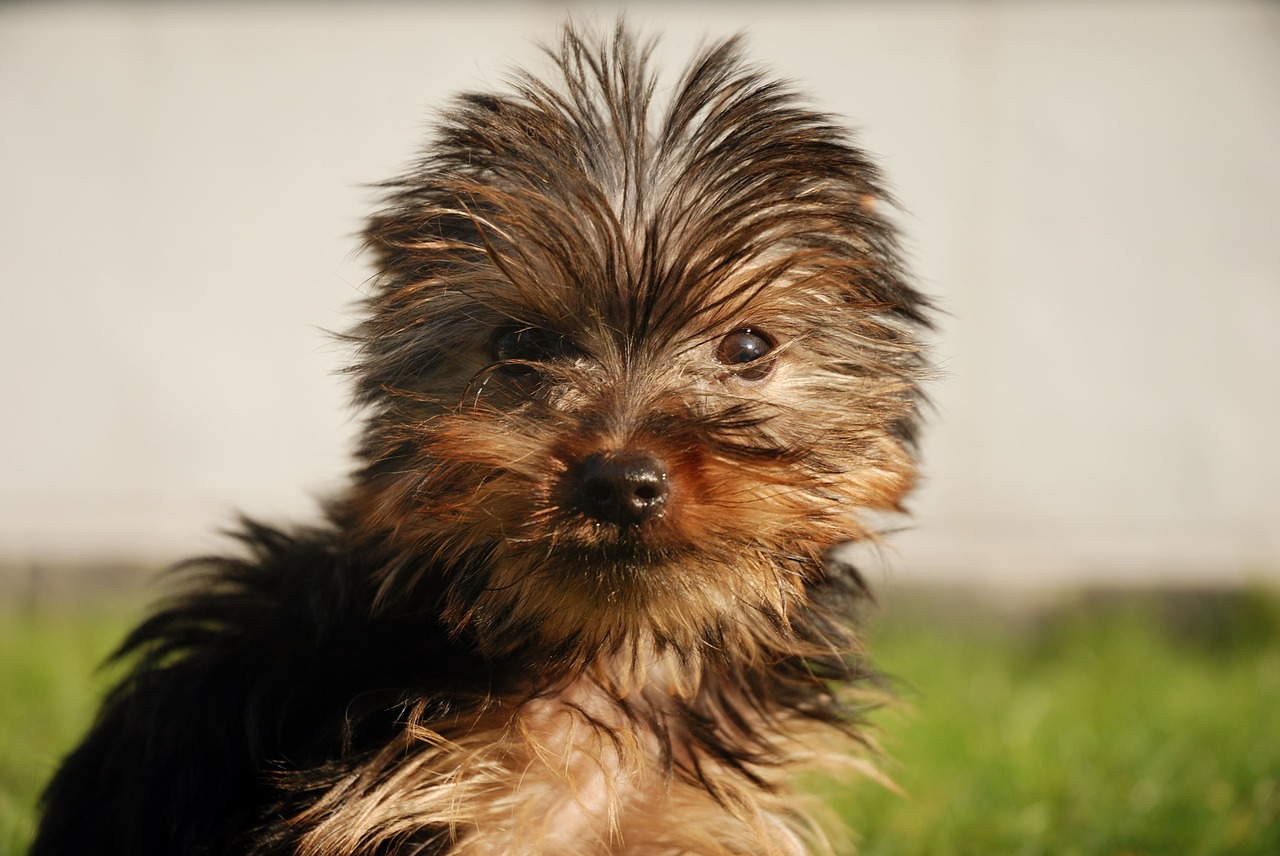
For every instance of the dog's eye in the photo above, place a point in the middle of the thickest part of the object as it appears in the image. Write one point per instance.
(514, 347)
(746, 348)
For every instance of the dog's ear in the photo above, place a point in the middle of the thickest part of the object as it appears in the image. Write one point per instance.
(413, 241)
(405, 243)
(383, 241)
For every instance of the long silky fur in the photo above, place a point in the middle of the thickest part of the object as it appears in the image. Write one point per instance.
(455, 661)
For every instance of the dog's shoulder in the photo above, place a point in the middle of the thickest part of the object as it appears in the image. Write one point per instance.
(271, 660)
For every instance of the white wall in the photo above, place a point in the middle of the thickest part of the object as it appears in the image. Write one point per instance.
(1094, 194)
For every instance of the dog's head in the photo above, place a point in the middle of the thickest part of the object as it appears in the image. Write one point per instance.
(631, 371)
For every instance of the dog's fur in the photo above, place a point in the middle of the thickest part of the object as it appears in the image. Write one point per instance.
(630, 373)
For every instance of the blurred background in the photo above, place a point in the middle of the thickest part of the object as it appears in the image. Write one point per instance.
(1092, 191)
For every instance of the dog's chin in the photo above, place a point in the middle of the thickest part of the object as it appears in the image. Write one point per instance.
(631, 565)
(623, 578)
(611, 555)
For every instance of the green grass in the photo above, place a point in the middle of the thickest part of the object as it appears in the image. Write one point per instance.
(50, 682)
(1143, 726)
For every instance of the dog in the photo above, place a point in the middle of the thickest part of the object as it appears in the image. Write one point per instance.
(630, 371)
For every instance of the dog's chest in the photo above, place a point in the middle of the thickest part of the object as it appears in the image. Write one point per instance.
(581, 774)
(581, 771)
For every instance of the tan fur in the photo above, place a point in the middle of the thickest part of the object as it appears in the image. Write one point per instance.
(570, 210)
(565, 774)
(631, 367)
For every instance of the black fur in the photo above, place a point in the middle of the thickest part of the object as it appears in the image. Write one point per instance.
(276, 676)
(281, 674)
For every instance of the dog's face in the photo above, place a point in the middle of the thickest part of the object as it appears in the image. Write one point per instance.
(631, 375)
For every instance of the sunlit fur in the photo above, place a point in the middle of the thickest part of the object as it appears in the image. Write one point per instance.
(460, 659)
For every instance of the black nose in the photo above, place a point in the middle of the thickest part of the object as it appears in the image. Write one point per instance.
(626, 488)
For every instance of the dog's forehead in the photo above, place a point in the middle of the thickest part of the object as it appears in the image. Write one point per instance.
(580, 204)
(685, 236)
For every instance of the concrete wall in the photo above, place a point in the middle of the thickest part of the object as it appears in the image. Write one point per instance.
(1093, 193)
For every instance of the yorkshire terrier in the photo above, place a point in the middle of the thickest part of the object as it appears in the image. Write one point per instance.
(630, 373)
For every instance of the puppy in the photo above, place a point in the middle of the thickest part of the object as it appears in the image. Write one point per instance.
(630, 370)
